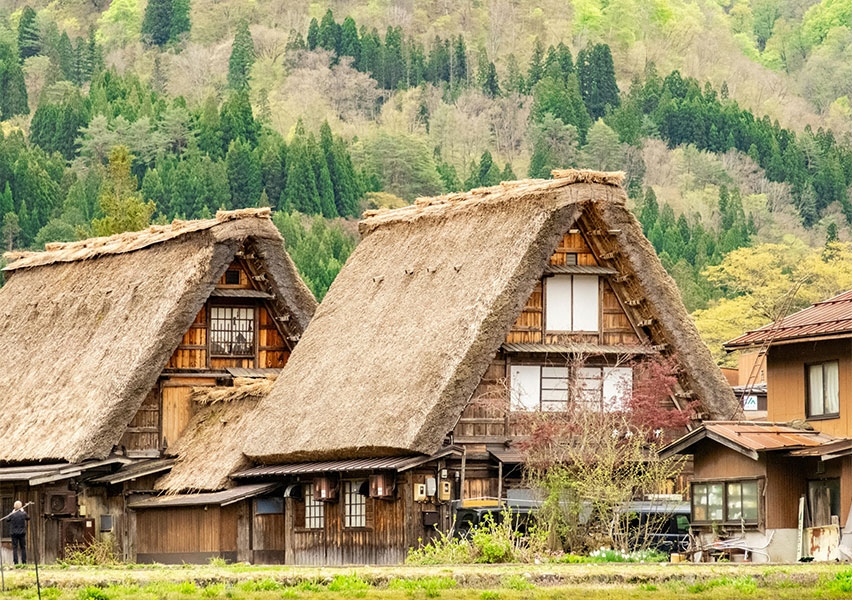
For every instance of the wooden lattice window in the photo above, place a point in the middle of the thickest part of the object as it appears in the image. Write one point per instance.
(314, 509)
(354, 504)
(232, 330)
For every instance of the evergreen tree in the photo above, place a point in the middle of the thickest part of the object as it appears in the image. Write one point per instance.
(328, 36)
(13, 89)
(66, 57)
(300, 192)
(350, 43)
(209, 129)
(596, 76)
(486, 76)
(273, 165)
(394, 63)
(236, 120)
(157, 23)
(94, 54)
(181, 23)
(508, 173)
(342, 176)
(313, 35)
(242, 58)
(325, 189)
(29, 43)
(536, 68)
(459, 62)
(122, 206)
(514, 83)
(244, 174)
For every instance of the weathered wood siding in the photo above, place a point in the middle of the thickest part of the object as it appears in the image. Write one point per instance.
(485, 415)
(785, 379)
(186, 534)
(191, 353)
(143, 433)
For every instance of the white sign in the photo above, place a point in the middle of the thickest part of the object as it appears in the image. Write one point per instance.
(750, 403)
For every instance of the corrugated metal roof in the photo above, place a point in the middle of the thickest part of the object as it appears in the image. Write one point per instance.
(757, 388)
(579, 270)
(829, 317)
(840, 447)
(766, 436)
(328, 466)
(505, 455)
(240, 293)
(222, 498)
(575, 349)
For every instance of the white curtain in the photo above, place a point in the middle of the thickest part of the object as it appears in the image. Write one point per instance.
(831, 376)
(816, 402)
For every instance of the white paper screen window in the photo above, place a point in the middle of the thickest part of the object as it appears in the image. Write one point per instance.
(585, 303)
(525, 387)
(554, 389)
(558, 302)
(617, 387)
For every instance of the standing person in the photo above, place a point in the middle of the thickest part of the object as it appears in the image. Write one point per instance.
(18, 529)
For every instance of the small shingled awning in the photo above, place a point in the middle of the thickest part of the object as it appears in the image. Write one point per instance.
(505, 455)
(136, 470)
(575, 349)
(39, 474)
(254, 373)
(240, 293)
(579, 270)
(223, 498)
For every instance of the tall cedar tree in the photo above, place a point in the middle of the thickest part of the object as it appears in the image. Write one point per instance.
(329, 33)
(596, 75)
(459, 64)
(66, 57)
(13, 89)
(157, 24)
(325, 189)
(536, 69)
(29, 43)
(180, 19)
(350, 43)
(242, 58)
(313, 35)
(244, 174)
(342, 177)
(300, 191)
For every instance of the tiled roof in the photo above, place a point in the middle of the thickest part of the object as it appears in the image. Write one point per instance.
(829, 317)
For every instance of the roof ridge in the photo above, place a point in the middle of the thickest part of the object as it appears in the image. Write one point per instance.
(124, 242)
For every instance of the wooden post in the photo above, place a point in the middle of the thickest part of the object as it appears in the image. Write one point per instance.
(499, 481)
(289, 524)
(463, 465)
(244, 519)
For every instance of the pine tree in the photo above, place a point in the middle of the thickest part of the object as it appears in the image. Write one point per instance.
(350, 43)
(209, 131)
(122, 206)
(13, 89)
(536, 69)
(236, 119)
(300, 192)
(66, 57)
(459, 62)
(157, 24)
(596, 76)
(328, 36)
(181, 23)
(339, 169)
(94, 54)
(515, 83)
(313, 34)
(242, 58)
(243, 174)
(486, 76)
(325, 189)
(394, 63)
(29, 43)
(508, 173)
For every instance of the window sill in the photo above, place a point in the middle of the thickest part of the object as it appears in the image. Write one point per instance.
(823, 417)
(308, 529)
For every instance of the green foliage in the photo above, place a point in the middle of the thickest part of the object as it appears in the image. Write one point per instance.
(13, 89)
(29, 43)
(242, 58)
(349, 585)
(123, 208)
(517, 582)
(92, 593)
(430, 586)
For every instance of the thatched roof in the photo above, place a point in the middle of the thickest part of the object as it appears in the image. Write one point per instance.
(87, 327)
(413, 320)
(211, 447)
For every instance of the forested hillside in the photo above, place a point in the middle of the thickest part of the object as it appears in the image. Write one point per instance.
(730, 118)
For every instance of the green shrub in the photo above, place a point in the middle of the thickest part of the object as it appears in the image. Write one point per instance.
(92, 593)
(489, 595)
(430, 586)
(264, 585)
(842, 582)
(211, 591)
(517, 582)
(350, 585)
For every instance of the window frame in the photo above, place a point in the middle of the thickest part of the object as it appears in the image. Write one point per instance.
(351, 491)
(547, 282)
(574, 388)
(824, 416)
(724, 482)
(314, 509)
(254, 330)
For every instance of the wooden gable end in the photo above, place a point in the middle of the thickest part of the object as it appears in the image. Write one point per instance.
(615, 326)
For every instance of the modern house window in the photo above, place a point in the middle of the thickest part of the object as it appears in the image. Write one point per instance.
(354, 505)
(232, 331)
(572, 303)
(314, 509)
(535, 387)
(725, 502)
(823, 389)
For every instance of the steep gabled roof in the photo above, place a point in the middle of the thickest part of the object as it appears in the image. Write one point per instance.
(87, 327)
(418, 312)
(829, 318)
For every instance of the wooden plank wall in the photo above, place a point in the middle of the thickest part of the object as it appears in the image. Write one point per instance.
(143, 433)
(177, 406)
(178, 530)
(485, 415)
(616, 328)
(785, 377)
(272, 352)
(192, 351)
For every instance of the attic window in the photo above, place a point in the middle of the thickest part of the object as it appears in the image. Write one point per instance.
(231, 331)
(232, 277)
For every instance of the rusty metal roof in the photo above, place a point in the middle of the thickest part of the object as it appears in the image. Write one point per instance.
(830, 317)
(749, 437)
(827, 451)
(223, 498)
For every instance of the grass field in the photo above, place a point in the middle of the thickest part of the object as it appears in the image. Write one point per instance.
(473, 582)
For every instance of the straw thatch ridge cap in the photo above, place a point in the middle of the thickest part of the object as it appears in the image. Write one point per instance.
(478, 198)
(210, 448)
(128, 241)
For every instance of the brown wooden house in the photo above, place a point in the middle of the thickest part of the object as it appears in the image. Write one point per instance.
(102, 342)
(385, 415)
(809, 454)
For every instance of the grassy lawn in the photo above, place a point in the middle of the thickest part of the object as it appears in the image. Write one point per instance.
(468, 582)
